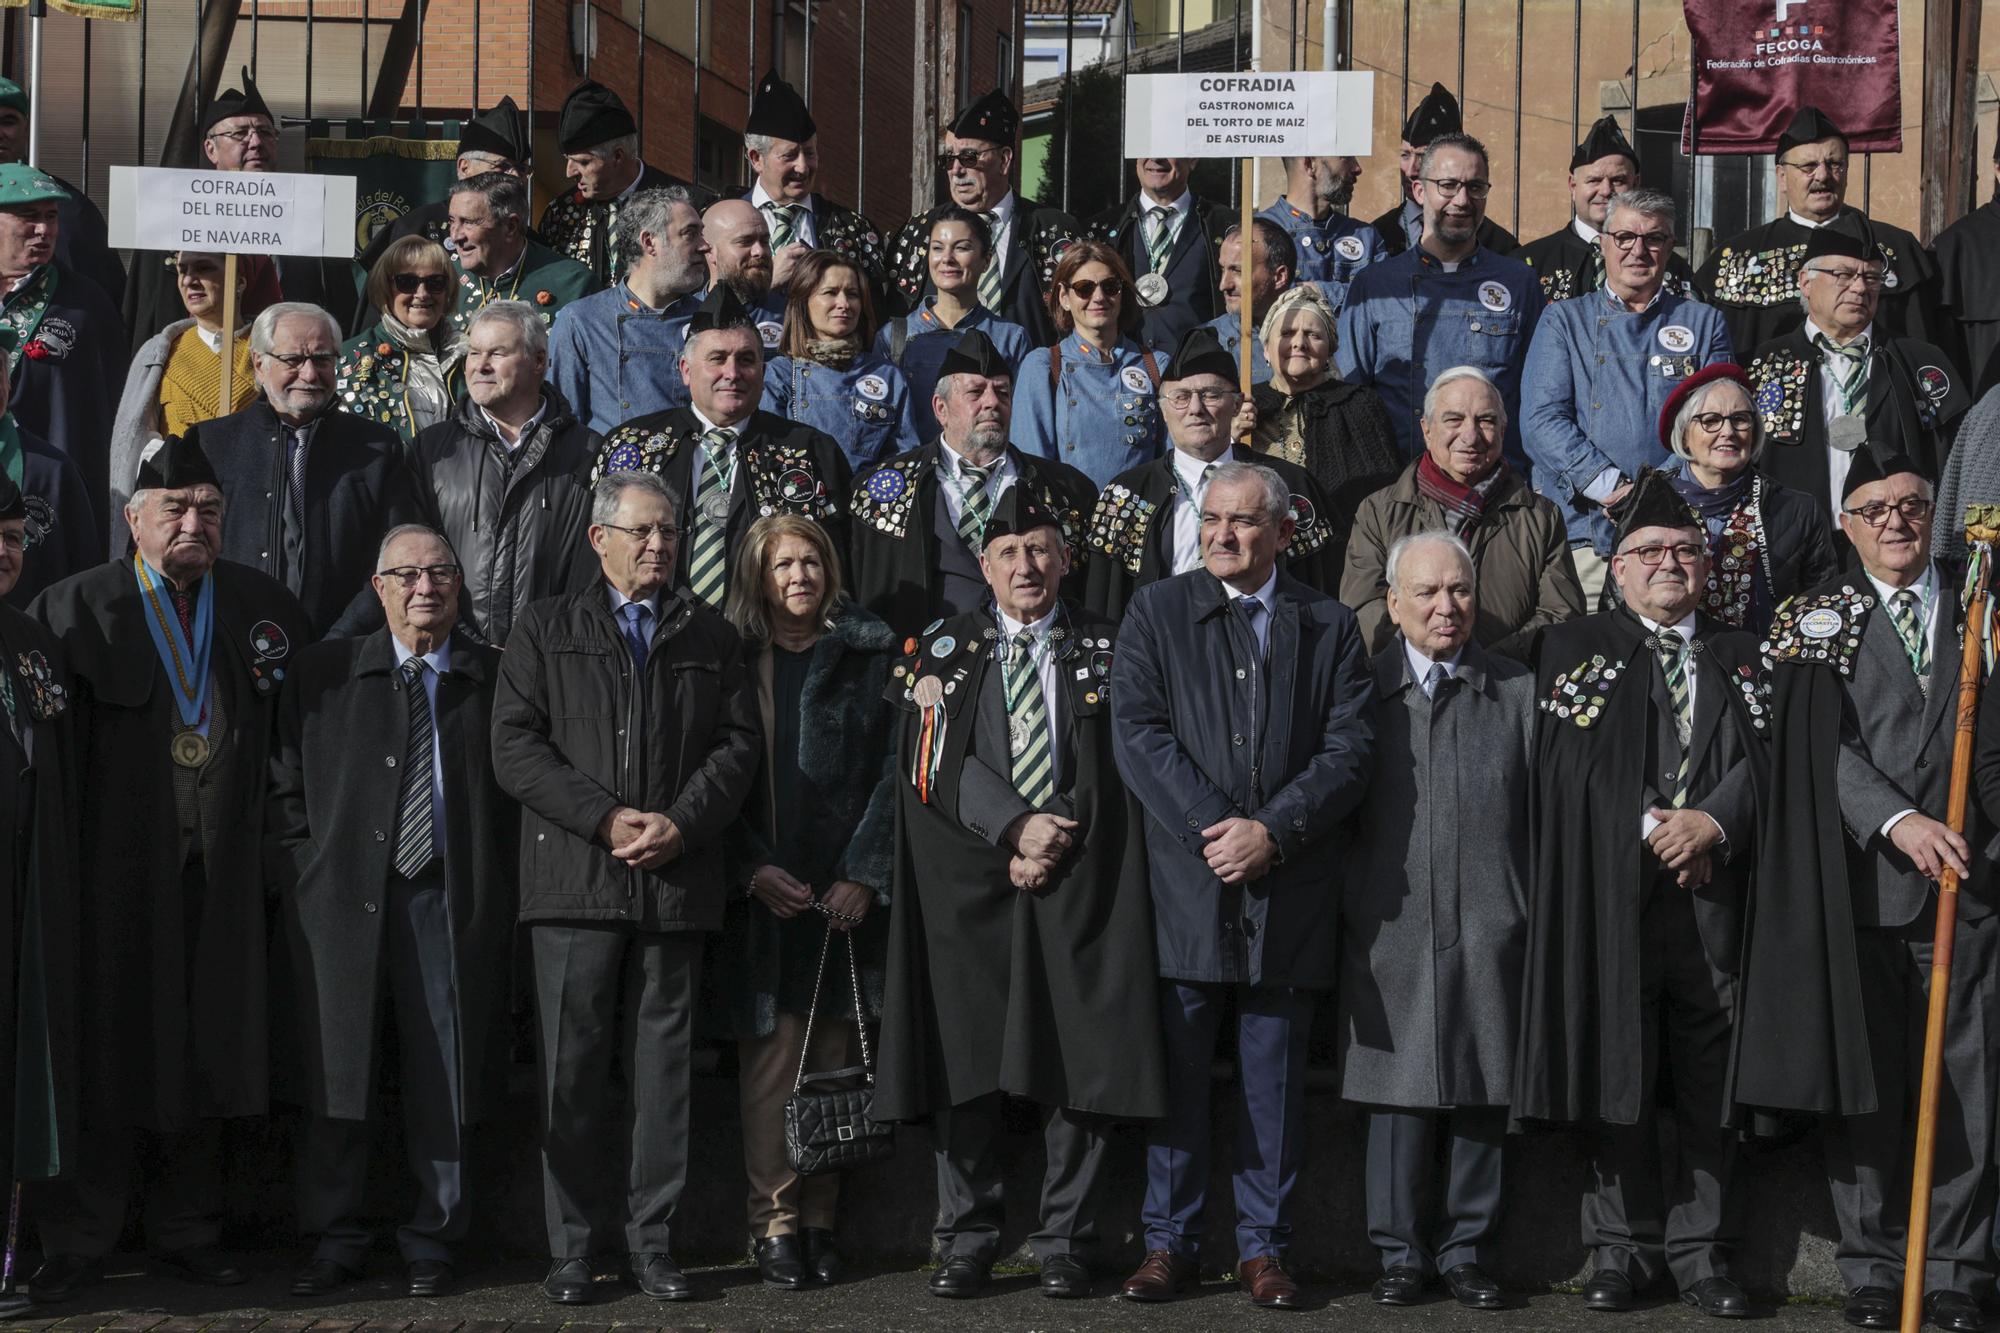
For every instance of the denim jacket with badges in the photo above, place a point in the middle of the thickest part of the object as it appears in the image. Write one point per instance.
(1331, 253)
(865, 407)
(1105, 417)
(613, 358)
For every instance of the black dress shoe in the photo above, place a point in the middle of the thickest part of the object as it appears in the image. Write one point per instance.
(569, 1282)
(320, 1277)
(1873, 1307)
(660, 1277)
(779, 1262)
(429, 1277)
(1718, 1296)
(1608, 1289)
(60, 1276)
(207, 1265)
(1470, 1287)
(1065, 1278)
(1954, 1311)
(959, 1275)
(14, 1304)
(822, 1259)
(1400, 1284)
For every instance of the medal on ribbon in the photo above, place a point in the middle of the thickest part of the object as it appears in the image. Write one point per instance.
(184, 657)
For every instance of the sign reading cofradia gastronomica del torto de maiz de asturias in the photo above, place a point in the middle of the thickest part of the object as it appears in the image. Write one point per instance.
(1285, 113)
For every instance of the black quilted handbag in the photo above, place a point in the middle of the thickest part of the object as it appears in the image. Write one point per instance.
(826, 1118)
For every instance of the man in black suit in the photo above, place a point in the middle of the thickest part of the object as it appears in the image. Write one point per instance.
(1171, 241)
(312, 488)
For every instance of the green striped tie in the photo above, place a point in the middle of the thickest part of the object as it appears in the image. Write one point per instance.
(1853, 389)
(1162, 239)
(1028, 724)
(1674, 663)
(1910, 628)
(785, 225)
(707, 569)
(976, 507)
(989, 281)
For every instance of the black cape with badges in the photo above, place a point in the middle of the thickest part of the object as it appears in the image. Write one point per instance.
(1752, 278)
(1567, 266)
(1580, 1047)
(1132, 531)
(162, 1044)
(1047, 995)
(1968, 260)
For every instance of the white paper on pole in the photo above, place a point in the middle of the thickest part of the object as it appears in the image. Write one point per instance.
(232, 212)
(1291, 113)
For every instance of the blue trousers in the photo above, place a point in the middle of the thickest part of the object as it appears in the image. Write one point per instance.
(1272, 1024)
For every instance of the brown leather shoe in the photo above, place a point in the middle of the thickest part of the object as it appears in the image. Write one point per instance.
(1162, 1277)
(1268, 1284)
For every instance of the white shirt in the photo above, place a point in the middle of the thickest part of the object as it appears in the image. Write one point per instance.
(1002, 225)
(1187, 509)
(1806, 222)
(439, 661)
(1686, 630)
(1833, 373)
(527, 427)
(997, 481)
(1260, 618)
(1584, 229)
(805, 220)
(1421, 664)
(1927, 606)
(1181, 208)
(1045, 668)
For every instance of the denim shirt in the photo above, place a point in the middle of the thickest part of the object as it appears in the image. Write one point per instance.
(1229, 332)
(1103, 419)
(1331, 253)
(925, 342)
(1407, 319)
(865, 407)
(613, 357)
(1596, 378)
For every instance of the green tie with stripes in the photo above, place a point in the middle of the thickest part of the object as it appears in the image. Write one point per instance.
(1028, 724)
(976, 506)
(1162, 239)
(1910, 628)
(1674, 664)
(707, 566)
(785, 225)
(989, 281)
(1854, 387)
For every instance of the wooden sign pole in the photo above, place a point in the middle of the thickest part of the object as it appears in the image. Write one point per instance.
(228, 333)
(1246, 250)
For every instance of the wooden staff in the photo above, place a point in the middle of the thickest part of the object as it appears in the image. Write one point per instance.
(1982, 531)
(228, 333)
(1246, 262)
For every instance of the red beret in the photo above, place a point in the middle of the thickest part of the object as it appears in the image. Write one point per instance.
(1721, 370)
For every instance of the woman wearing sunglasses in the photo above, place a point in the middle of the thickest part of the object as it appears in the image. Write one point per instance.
(1092, 400)
(404, 369)
(827, 375)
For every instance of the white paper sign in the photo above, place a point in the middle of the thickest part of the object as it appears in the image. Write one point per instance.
(1292, 113)
(232, 212)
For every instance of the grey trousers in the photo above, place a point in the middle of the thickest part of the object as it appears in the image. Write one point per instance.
(1402, 1179)
(970, 1207)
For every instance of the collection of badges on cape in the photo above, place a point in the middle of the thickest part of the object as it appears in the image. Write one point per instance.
(1771, 277)
(1123, 521)
(1048, 244)
(1825, 629)
(885, 499)
(1559, 284)
(1781, 378)
(1580, 693)
(786, 484)
(46, 696)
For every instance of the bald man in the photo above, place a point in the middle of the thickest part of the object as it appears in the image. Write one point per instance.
(739, 253)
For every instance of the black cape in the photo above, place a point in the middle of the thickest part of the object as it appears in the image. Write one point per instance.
(1047, 995)
(1567, 266)
(1753, 279)
(1968, 261)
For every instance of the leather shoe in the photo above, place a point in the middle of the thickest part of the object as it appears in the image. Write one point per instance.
(658, 1276)
(1163, 1276)
(1873, 1307)
(1065, 1278)
(1608, 1289)
(14, 1304)
(60, 1276)
(958, 1276)
(821, 1258)
(320, 1277)
(779, 1262)
(1955, 1311)
(1718, 1296)
(1472, 1288)
(207, 1265)
(1268, 1283)
(429, 1277)
(1400, 1284)
(569, 1282)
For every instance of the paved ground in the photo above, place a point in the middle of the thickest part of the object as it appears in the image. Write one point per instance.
(507, 1299)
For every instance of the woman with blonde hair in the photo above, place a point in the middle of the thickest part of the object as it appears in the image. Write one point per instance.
(404, 371)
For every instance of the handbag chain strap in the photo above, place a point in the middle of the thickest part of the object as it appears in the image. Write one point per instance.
(812, 1011)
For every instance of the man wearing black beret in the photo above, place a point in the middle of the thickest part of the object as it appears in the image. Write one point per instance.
(1403, 226)
(601, 156)
(1568, 260)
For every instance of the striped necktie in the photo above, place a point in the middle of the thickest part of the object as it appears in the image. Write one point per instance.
(1854, 386)
(1905, 612)
(707, 574)
(1162, 239)
(415, 847)
(1435, 678)
(976, 505)
(989, 281)
(1028, 724)
(295, 490)
(1187, 549)
(1674, 665)
(784, 224)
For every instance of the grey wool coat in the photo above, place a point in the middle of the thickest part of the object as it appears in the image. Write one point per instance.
(1434, 906)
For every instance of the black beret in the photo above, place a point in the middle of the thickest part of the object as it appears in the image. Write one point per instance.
(12, 503)
(1604, 140)
(1653, 503)
(246, 101)
(1437, 114)
(1810, 125)
(592, 114)
(778, 111)
(991, 118)
(1844, 240)
(176, 465)
(975, 354)
(1200, 353)
(502, 132)
(1866, 469)
(1017, 514)
(720, 309)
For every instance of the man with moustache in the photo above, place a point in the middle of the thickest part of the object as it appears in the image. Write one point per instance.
(493, 140)
(1169, 240)
(615, 354)
(1331, 247)
(781, 143)
(495, 259)
(739, 258)
(600, 147)
(1273, 264)
(1402, 227)
(1570, 259)
(177, 657)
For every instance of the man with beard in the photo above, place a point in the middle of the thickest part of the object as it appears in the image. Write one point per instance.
(1028, 237)
(495, 140)
(739, 257)
(495, 259)
(782, 145)
(614, 354)
(1331, 247)
(177, 659)
(1271, 271)
(1403, 226)
(918, 517)
(1570, 260)
(82, 240)
(600, 148)
(1169, 239)
(1751, 276)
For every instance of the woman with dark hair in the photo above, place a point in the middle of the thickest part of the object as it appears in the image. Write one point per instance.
(404, 370)
(1092, 400)
(827, 376)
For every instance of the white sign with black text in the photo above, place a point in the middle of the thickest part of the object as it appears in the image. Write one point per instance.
(1290, 113)
(232, 212)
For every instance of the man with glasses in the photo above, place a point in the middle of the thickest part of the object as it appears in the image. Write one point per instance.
(1601, 368)
(1147, 525)
(1750, 275)
(494, 258)
(1843, 383)
(1569, 261)
(600, 147)
(313, 487)
(1028, 237)
(494, 140)
(411, 932)
(1447, 301)
(1846, 900)
(1403, 226)
(1647, 750)
(626, 726)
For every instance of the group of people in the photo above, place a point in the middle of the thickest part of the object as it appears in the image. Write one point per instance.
(634, 610)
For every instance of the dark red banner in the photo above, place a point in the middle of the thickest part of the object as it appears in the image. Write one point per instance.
(1756, 62)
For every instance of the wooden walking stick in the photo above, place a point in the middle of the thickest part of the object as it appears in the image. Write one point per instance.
(1982, 531)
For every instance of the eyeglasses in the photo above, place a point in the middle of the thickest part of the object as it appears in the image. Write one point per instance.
(262, 133)
(14, 541)
(295, 361)
(1653, 555)
(1113, 288)
(1832, 166)
(1652, 240)
(1865, 278)
(441, 576)
(1875, 513)
(1447, 186)
(964, 157)
(1180, 398)
(434, 283)
(1713, 422)
(645, 532)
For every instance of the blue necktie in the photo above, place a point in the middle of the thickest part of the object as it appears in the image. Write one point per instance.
(636, 637)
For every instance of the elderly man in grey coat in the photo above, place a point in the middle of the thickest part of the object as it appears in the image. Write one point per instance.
(1432, 927)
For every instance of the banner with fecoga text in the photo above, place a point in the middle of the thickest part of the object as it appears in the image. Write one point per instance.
(1756, 62)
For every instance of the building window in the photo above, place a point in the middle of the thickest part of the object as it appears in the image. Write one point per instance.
(1003, 64)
